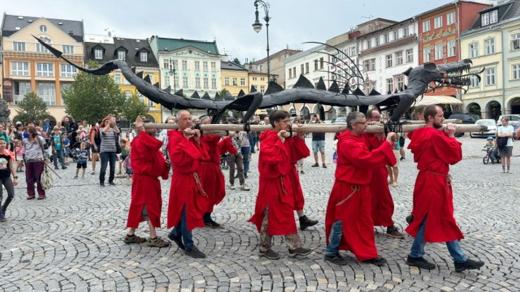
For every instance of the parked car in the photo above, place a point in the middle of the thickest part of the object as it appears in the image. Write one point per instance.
(465, 118)
(490, 124)
(514, 120)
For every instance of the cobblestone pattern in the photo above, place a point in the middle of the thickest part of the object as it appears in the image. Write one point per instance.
(73, 240)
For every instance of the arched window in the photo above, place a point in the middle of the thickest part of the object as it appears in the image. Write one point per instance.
(43, 28)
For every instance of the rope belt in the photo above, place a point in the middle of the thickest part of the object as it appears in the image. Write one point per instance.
(355, 189)
(199, 184)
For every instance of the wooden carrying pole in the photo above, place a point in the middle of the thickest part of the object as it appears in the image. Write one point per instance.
(316, 128)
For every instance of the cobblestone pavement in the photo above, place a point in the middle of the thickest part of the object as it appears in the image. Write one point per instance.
(73, 240)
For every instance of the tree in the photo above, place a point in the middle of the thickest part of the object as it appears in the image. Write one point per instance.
(4, 111)
(236, 61)
(93, 97)
(133, 108)
(32, 109)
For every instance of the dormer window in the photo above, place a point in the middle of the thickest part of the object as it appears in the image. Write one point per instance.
(490, 17)
(121, 55)
(98, 54)
(143, 57)
(43, 28)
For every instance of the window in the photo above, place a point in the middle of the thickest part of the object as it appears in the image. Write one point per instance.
(370, 64)
(321, 63)
(197, 82)
(394, 35)
(474, 82)
(235, 83)
(21, 88)
(400, 82)
(489, 46)
(226, 81)
(490, 76)
(20, 68)
(386, 38)
(41, 49)
(294, 71)
(316, 65)
(242, 82)
(98, 54)
(450, 18)
(488, 18)
(121, 55)
(19, 46)
(437, 22)
(47, 92)
(452, 47)
(406, 31)
(67, 70)
(185, 82)
(43, 28)
(484, 19)
(389, 85)
(143, 57)
(185, 66)
(206, 83)
(473, 50)
(439, 51)
(68, 50)
(44, 70)
(427, 54)
(409, 56)
(388, 61)
(290, 73)
(213, 66)
(399, 58)
(302, 69)
(197, 65)
(426, 26)
(213, 83)
(306, 68)
(516, 71)
(117, 78)
(205, 66)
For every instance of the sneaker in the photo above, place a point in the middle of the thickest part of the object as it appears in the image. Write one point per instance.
(2, 216)
(469, 264)
(157, 242)
(409, 219)
(195, 253)
(270, 254)
(315, 165)
(212, 224)
(378, 261)
(130, 239)
(299, 252)
(63, 167)
(231, 187)
(112, 183)
(401, 159)
(30, 198)
(92, 173)
(306, 222)
(41, 198)
(324, 166)
(420, 263)
(75, 177)
(244, 188)
(177, 240)
(336, 259)
(392, 231)
(302, 172)
(101, 184)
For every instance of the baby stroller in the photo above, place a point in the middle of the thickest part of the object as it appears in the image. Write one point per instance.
(492, 155)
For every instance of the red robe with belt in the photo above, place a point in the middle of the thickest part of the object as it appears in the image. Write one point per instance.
(186, 188)
(434, 151)
(148, 164)
(299, 151)
(275, 188)
(382, 202)
(350, 200)
(210, 172)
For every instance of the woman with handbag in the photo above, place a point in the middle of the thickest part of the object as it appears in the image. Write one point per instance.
(34, 163)
(505, 143)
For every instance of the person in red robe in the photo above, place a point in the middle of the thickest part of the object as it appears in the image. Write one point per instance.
(382, 201)
(188, 200)
(348, 221)
(299, 151)
(148, 164)
(275, 202)
(211, 175)
(432, 218)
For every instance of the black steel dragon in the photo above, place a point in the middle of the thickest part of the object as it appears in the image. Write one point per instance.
(421, 79)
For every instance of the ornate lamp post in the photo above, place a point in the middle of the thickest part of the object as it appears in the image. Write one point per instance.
(257, 26)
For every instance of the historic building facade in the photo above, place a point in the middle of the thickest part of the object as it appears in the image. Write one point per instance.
(277, 64)
(234, 78)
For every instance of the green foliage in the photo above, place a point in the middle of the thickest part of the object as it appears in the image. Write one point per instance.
(134, 107)
(32, 109)
(93, 97)
(4, 111)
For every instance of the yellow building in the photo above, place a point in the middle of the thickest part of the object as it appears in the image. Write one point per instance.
(29, 67)
(259, 80)
(233, 77)
(137, 53)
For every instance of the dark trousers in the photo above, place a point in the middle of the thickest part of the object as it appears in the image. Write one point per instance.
(181, 231)
(58, 155)
(246, 152)
(33, 174)
(8, 184)
(107, 157)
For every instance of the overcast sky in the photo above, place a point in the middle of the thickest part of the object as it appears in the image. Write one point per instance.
(227, 21)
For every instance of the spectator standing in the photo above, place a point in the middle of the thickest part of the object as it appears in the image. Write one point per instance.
(318, 144)
(505, 132)
(95, 143)
(245, 149)
(7, 168)
(82, 159)
(58, 148)
(109, 134)
(34, 163)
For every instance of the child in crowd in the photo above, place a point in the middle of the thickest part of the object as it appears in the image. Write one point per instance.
(125, 149)
(19, 151)
(82, 157)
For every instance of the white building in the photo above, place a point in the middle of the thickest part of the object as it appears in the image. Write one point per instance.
(386, 53)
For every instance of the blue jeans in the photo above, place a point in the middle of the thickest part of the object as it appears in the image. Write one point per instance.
(107, 158)
(336, 232)
(181, 230)
(58, 155)
(245, 156)
(454, 248)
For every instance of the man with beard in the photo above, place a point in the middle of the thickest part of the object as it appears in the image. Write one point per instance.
(434, 150)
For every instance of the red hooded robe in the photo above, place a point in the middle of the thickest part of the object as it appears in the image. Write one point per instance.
(434, 151)
(210, 173)
(298, 151)
(350, 199)
(148, 164)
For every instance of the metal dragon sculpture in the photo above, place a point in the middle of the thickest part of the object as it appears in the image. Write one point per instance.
(421, 79)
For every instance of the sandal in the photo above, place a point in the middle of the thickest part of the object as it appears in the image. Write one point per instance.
(129, 239)
(157, 242)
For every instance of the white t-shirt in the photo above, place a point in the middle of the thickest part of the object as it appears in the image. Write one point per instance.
(506, 130)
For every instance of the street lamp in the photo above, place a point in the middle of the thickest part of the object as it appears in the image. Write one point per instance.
(257, 27)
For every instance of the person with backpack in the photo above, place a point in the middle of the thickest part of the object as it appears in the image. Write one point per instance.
(95, 142)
